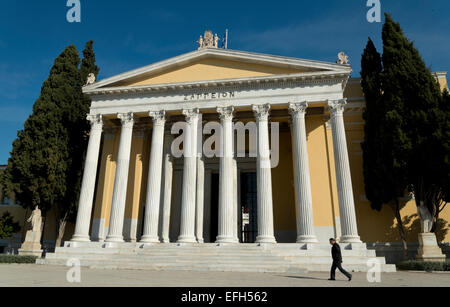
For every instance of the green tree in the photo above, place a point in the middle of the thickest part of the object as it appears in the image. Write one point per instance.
(7, 226)
(383, 182)
(413, 117)
(40, 158)
(79, 128)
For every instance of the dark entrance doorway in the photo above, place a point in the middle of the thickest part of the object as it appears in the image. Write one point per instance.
(214, 207)
(249, 221)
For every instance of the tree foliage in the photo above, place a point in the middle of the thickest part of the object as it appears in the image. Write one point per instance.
(407, 125)
(37, 169)
(45, 167)
(7, 226)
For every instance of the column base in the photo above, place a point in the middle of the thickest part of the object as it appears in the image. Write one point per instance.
(350, 239)
(149, 239)
(221, 240)
(200, 241)
(307, 239)
(81, 238)
(165, 240)
(269, 240)
(187, 240)
(114, 239)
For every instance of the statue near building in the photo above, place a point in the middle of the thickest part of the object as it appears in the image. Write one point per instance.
(429, 249)
(208, 40)
(32, 245)
(342, 59)
(90, 79)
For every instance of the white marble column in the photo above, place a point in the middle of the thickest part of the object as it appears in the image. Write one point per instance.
(226, 188)
(200, 200)
(343, 175)
(305, 218)
(153, 202)
(264, 177)
(166, 188)
(89, 178)
(121, 180)
(187, 224)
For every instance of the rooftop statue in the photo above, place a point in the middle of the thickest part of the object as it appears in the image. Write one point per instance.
(208, 40)
(90, 79)
(342, 58)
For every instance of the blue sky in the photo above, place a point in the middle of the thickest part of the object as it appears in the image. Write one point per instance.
(133, 33)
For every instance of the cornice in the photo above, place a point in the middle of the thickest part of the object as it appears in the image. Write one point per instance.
(260, 82)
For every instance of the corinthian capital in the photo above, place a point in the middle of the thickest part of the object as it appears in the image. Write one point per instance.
(226, 113)
(159, 117)
(127, 119)
(337, 107)
(261, 112)
(298, 108)
(96, 121)
(191, 115)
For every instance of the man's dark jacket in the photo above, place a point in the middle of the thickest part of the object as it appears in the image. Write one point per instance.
(336, 253)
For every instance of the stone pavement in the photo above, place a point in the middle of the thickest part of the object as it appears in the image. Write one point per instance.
(13, 275)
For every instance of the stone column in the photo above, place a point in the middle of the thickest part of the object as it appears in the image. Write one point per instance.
(264, 177)
(166, 188)
(89, 178)
(187, 224)
(226, 189)
(120, 183)
(343, 175)
(200, 200)
(305, 219)
(154, 179)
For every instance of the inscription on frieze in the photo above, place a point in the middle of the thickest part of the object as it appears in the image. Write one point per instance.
(206, 96)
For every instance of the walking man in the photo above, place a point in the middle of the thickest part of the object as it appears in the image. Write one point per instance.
(337, 261)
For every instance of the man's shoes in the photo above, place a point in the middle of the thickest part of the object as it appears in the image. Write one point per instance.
(350, 278)
(332, 279)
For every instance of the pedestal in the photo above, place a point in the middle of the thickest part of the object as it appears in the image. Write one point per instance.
(429, 249)
(32, 245)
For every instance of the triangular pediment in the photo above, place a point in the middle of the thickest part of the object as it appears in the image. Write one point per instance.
(216, 64)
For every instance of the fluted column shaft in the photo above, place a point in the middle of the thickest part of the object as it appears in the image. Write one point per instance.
(153, 202)
(226, 189)
(305, 218)
(121, 180)
(89, 178)
(187, 225)
(343, 175)
(264, 177)
(166, 188)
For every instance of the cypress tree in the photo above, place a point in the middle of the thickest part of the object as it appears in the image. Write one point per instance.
(79, 129)
(37, 169)
(413, 100)
(381, 183)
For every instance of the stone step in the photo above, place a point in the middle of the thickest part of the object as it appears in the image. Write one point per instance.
(261, 255)
(217, 251)
(225, 267)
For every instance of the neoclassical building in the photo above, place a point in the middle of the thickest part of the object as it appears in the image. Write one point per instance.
(136, 190)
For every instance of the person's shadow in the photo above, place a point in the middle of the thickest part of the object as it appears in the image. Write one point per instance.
(305, 277)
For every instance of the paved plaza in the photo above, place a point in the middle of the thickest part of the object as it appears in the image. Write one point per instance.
(55, 276)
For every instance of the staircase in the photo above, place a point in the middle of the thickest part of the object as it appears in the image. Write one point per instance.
(278, 258)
